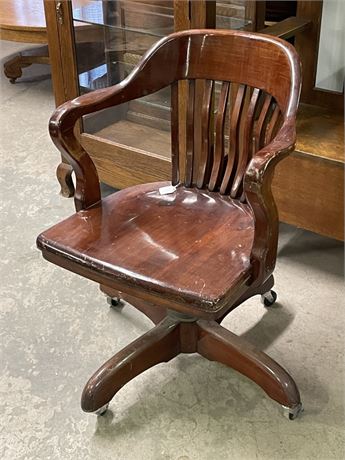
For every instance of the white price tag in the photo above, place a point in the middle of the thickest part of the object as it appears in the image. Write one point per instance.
(166, 190)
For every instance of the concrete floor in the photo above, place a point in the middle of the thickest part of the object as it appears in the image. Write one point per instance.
(56, 329)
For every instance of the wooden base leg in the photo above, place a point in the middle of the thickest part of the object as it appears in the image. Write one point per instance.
(218, 344)
(160, 344)
(64, 176)
(179, 333)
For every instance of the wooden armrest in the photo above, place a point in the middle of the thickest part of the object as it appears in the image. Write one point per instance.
(257, 188)
(62, 130)
(287, 28)
(282, 144)
(62, 127)
(139, 83)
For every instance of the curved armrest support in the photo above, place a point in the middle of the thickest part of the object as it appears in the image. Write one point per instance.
(150, 75)
(63, 133)
(257, 187)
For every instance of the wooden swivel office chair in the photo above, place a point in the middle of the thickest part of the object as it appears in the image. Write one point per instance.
(189, 257)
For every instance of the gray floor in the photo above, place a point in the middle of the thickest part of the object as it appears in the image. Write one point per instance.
(56, 329)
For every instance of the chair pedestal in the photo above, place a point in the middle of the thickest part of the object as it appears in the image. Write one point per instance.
(176, 333)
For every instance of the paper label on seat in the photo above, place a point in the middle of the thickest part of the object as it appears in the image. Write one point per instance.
(166, 190)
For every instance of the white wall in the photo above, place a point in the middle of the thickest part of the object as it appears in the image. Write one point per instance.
(331, 60)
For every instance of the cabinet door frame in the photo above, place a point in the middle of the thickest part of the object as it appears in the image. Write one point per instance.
(307, 46)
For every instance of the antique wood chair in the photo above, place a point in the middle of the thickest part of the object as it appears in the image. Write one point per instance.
(188, 254)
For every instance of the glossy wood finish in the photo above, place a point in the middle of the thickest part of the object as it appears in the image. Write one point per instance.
(173, 336)
(158, 345)
(201, 250)
(218, 344)
(178, 246)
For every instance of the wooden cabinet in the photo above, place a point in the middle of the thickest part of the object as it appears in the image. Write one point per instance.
(95, 44)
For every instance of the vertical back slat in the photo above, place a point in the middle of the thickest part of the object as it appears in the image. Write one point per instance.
(175, 137)
(272, 125)
(218, 156)
(238, 98)
(250, 117)
(205, 133)
(246, 141)
(258, 129)
(190, 134)
(198, 104)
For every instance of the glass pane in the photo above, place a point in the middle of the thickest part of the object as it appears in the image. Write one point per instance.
(231, 14)
(154, 18)
(331, 62)
(142, 124)
(111, 36)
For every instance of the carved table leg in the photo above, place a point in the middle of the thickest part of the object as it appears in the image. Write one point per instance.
(64, 176)
(218, 344)
(13, 67)
(160, 344)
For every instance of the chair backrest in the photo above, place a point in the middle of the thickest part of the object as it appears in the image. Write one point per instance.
(240, 88)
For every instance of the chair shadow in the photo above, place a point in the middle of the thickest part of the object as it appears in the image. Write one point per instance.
(307, 248)
(271, 325)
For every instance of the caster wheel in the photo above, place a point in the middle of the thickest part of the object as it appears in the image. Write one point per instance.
(114, 302)
(269, 298)
(102, 410)
(12, 80)
(294, 412)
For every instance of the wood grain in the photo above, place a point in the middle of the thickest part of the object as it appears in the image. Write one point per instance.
(318, 203)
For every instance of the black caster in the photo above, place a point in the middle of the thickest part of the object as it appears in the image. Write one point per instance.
(102, 410)
(114, 302)
(269, 298)
(292, 413)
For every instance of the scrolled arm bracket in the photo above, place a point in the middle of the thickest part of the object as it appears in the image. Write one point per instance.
(62, 132)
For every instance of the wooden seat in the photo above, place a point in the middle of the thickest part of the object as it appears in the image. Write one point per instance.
(139, 237)
(188, 257)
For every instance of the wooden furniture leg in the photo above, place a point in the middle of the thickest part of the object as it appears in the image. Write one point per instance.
(218, 344)
(179, 333)
(64, 176)
(160, 344)
(13, 67)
